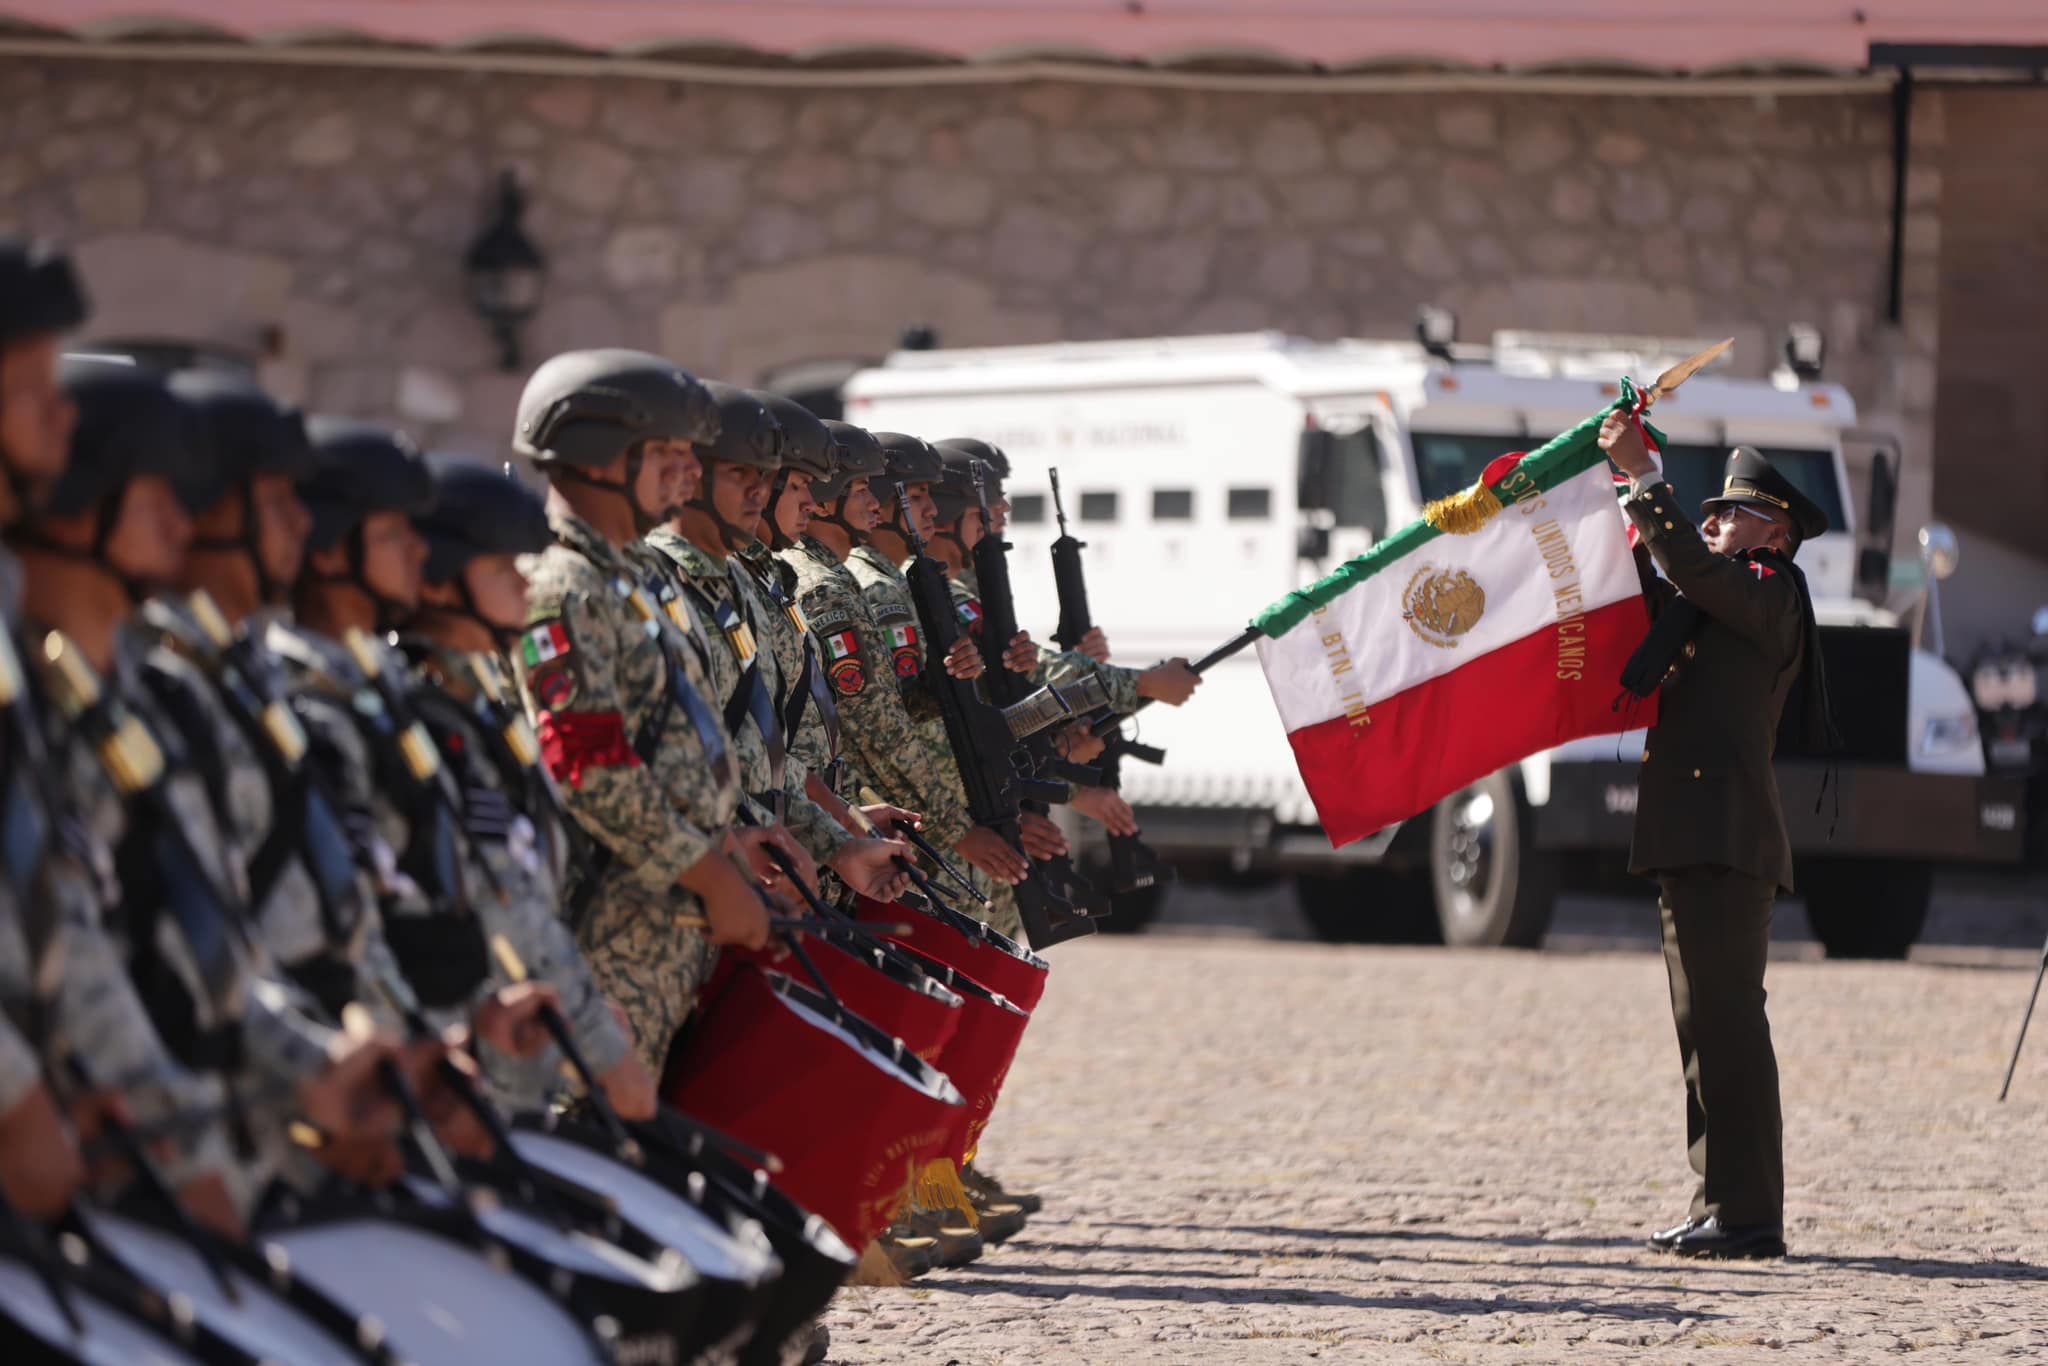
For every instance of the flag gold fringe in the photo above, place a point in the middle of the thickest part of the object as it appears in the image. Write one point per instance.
(1464, 512)
(938, 1187)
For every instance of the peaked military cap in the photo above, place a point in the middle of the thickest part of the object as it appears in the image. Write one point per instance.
(1751, 480)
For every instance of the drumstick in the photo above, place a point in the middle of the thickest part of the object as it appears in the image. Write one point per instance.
(925, 847)
(152, 1182)
(628, 1150)
(355, 1019)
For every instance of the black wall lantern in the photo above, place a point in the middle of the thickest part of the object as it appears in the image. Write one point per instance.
(506, 272)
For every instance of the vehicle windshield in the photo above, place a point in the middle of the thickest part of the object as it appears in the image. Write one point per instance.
(1446, 462)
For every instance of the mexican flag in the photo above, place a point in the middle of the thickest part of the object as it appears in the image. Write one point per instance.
(1492, 628)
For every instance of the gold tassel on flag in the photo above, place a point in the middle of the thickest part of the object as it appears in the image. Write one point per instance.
(938, 1187)
(1464, 512)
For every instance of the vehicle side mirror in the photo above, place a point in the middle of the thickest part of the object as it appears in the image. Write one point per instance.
(1315, 467)
(1312, 542)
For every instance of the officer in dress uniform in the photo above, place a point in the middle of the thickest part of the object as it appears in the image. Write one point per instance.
(1733, 640)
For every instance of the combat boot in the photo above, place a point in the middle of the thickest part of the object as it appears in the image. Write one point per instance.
(958, 1244)
(898, 1255)
(985, 1187)
(997, 1221)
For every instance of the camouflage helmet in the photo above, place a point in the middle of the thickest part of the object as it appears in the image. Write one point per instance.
(39, 291)
(588, 408)
(806, 445)
(855, 455)
(748, 433)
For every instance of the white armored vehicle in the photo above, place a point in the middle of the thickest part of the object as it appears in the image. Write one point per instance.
(1210, 475)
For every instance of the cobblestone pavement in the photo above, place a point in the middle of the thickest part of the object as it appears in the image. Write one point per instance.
(1260, 1152)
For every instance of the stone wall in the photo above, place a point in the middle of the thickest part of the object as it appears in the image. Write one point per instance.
(738, 229)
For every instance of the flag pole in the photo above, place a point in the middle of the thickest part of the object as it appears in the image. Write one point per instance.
(1226, 649)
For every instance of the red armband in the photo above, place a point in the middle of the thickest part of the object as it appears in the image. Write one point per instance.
(571, 741)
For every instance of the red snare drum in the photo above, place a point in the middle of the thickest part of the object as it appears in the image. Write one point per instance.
(979, 1056)
(996, 961)
(852, 1112)
(880, 985)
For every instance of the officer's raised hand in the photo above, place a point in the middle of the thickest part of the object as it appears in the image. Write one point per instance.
(1172, 682)
(1622, 438)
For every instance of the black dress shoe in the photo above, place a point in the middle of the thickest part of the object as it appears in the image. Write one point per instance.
(1664, 1241)
(1729, 1242)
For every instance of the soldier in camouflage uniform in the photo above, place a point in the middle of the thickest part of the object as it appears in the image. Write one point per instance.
(112, 528)
(702, 542)
(878, 566)
(63, 986)
(969, 479)
(438, 902)
(642, 761)
(474, 604)
(878, 739)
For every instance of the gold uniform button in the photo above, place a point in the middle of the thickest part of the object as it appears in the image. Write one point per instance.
(1667, 526)
(1657, 510)
(1691, 649)
(1695, 773)
(1646, 756)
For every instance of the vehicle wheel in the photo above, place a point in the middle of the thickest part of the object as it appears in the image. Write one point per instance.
(1367, 906)
(1871, 908)
(1492, 889)
(1131, 912)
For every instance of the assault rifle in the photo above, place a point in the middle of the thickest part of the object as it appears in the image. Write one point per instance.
(987, 753)
(1008, 689)
(1133, 864)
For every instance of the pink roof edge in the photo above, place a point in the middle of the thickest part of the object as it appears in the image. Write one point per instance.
(1668, 34)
